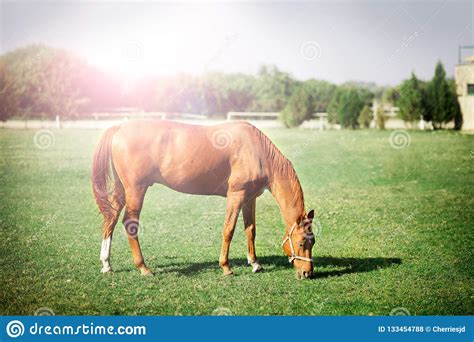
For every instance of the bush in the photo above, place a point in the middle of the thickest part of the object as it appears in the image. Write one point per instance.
(346, 106)
(380, 118)
(411, 102)
(298, 109)
(442, 99)
(365, 117)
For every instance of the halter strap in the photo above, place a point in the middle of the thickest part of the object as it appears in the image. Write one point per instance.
(293, 254)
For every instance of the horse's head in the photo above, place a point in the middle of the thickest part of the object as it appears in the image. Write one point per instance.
(298, 243)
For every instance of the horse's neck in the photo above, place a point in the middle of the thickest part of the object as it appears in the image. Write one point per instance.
(284, 183)
(289, 196)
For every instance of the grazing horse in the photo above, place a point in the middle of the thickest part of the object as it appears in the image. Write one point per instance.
(233, 160)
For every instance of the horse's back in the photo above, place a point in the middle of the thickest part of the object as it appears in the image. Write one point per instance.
(188, 158)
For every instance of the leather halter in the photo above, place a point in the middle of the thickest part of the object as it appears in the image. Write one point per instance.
(293, 254)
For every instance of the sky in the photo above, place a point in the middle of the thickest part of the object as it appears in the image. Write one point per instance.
(338, 41)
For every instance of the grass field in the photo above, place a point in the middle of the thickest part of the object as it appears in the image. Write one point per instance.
(397, 232)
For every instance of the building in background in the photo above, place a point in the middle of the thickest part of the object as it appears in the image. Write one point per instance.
(464, 74)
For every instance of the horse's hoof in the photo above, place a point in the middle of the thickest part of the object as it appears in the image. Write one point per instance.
(106, 269)
(145, 271)
(256, 267)
(228, 272)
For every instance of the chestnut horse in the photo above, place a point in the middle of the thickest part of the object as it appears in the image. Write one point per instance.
(233, 160)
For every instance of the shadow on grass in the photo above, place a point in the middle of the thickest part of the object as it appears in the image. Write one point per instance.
(342, 265)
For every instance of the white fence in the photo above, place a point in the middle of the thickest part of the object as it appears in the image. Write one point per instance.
(85, 124)
(261, 120)
(270, 119)
(106, 119)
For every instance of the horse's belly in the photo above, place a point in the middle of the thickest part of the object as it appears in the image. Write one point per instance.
(197, 181)
(200, 188)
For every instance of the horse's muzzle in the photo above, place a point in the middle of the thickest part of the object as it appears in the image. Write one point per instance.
(304, 274)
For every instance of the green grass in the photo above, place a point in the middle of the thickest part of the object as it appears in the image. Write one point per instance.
(396, 232)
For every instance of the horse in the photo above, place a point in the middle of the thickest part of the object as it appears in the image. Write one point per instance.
(233, 160)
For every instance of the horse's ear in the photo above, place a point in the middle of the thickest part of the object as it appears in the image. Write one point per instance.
(311, 214)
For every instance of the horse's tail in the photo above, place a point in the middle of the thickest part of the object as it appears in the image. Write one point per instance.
(103, 173)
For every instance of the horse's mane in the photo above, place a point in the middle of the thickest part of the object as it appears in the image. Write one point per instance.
(282, 167)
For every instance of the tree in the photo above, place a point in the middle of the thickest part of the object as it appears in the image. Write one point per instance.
(346, 106)
(321, 92)
(39, 80)
(350, 109)
(232, 92)
(19, 78)
(456, 107)
(298, 109)
(333, 106)
(440, 98)
(9, 99)
(272, 89)
(365, 117)
(380, 118)
(411, 102)
(391, 96)
(61, 85)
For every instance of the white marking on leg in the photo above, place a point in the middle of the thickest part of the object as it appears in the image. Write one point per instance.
(105, 254)
(256, 267)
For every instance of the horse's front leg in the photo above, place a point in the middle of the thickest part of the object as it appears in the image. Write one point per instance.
(248, 212)
(234, 204)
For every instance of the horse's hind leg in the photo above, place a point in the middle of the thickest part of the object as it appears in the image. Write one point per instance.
(133, 205)
(117, 202)
(248, 212)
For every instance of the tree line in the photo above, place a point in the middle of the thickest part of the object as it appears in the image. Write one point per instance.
(40, 81)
